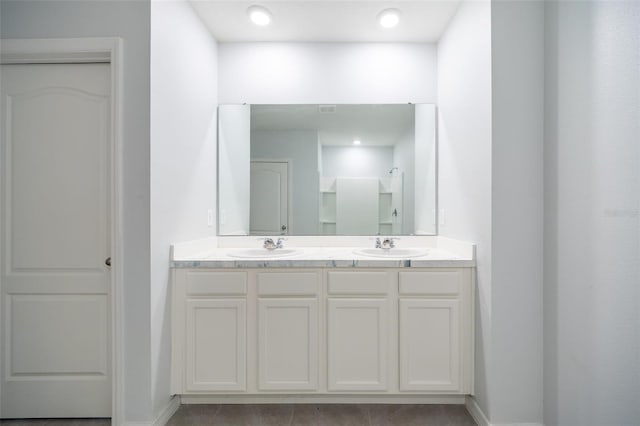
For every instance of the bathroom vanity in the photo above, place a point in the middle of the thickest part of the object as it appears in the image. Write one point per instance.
(322, 323)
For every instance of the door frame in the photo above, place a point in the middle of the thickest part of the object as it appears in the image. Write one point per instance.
(289, 162)
(93, 50)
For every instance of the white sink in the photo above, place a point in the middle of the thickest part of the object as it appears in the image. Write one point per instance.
(262, 253)
(397, 253)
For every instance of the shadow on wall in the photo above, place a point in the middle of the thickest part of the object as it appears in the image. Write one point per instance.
(592, 231)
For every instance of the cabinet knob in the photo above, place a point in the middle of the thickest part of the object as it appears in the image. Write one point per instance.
(108, 261)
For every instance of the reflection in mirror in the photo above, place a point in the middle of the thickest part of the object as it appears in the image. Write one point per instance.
(326, 169)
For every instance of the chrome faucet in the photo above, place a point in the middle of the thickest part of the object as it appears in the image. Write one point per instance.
(269, 244)
(386, 243)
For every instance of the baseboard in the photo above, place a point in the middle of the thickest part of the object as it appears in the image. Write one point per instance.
(476, 412)
(322, 399)
(480, 418)
(167, 412)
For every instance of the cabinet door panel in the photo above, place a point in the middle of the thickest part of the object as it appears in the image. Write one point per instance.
(429, 345)
(357, 340)
(287, 344)
(216, 345)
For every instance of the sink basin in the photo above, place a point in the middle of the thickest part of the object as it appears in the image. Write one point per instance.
(397, 253)
(262, 253)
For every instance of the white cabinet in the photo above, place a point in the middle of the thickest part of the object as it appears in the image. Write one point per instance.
(435, 331)
(209, 339)
(429, 345)
(358, 329)
(357, 344)
(216, 345)
(287, 344)
(404, 331)
(287, 330)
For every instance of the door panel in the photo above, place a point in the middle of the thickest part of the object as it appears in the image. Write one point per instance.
(37, 323)
(216, 345)
(55, 232)
(357, 344)
(429, 345)
(288, 344)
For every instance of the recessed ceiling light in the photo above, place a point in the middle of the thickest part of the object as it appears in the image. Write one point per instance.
(356, 142)
(389, 18)
(259, 15)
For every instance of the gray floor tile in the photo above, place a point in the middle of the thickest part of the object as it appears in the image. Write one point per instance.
(306, 414)
(194, 414)
(408, 415)
(275, 414)
(294, 415)
(237, 415)
(344, 415)
(459, 416)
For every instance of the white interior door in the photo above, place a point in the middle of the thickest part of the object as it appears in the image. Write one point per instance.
(269, 202)
(55, 229)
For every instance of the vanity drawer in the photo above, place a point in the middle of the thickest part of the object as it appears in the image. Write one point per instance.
(436, 283)
(203, 283)
(370, 282)
(288, 283)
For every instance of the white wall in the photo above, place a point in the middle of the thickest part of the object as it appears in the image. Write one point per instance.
(300, 146)
(464, 144)
(404, 160)
(357, 161)
(262, 73)
(517, 51)
(131, 22)
(183, 159)
(234, 148)
(592, 204)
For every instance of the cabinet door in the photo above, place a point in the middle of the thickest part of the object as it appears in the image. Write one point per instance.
(429, 345)
(216, 345)
(357, 340)
(288, 344)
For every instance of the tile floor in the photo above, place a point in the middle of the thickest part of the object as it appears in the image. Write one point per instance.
(295, 415)
(322, 415)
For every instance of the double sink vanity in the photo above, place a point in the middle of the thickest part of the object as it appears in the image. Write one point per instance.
(307, 293)
(322, 319)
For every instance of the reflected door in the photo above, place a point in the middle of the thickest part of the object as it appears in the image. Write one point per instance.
(55, 241)
(269, 198)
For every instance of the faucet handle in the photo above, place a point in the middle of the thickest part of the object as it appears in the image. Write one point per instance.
(387, 243)
(268, 243)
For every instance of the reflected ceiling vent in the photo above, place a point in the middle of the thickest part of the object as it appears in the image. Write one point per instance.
(327, 109)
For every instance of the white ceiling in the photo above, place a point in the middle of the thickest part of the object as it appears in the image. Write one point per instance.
(373, 125)
(327, 21)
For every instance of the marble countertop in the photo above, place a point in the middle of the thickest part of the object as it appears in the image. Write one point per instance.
(319, 257)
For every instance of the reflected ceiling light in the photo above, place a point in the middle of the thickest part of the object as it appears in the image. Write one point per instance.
(259, 15)
(389, 18)
(356, 142)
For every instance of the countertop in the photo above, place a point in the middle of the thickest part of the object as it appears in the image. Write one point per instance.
(203, 254)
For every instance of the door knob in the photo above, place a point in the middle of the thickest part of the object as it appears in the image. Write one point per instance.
(107, 261)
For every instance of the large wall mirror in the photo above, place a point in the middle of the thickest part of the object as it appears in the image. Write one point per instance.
(327, 169)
